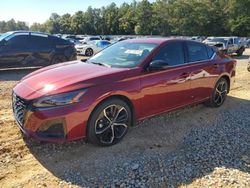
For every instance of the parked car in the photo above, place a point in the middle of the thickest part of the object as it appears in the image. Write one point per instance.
(247, 45)
(87, 40)
(227, 45)
(25, 49)
(99, 99)
(198, 38)
(92, 48)
(74, 41)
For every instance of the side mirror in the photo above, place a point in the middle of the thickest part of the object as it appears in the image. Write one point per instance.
(157, 65)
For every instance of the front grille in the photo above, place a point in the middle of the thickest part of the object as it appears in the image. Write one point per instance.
(19, 108)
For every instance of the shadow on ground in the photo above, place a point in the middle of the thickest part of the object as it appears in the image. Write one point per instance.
(168, 150)
(14, 75)
(242, 57)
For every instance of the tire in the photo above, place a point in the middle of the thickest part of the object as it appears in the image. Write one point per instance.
(89, 52)
(219, 94)
(240, 52)
(58, 59)
(109, 122)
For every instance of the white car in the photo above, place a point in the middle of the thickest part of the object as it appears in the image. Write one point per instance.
(88, 40)
(91, 48)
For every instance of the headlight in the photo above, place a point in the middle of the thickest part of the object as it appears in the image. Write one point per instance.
(60, 99)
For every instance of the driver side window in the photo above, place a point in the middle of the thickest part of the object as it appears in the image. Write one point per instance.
(230, 41)
(172, 54)
(17, 42)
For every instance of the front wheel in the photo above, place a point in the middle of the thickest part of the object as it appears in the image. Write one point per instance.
(109, 122)
(89, 52)
(240, 52)
(219, 93)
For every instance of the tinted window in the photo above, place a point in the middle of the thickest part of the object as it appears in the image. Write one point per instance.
(102, 44)
(60, 41)
(230, 41)
(94, 38)
(196, 52)
(172, 53)
(39, 41)
(210, 52)
(18, 42)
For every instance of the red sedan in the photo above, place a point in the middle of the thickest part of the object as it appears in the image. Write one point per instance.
(99, 99)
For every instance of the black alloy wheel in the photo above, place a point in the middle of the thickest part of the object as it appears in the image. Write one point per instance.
(219, 93)
(89, 52)
(109, 122)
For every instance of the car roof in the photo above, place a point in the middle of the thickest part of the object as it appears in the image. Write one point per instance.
(31, 32)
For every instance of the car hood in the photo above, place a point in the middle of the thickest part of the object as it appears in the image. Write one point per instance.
(66, 77)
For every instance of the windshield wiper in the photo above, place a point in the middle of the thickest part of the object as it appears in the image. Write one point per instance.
(102, 64)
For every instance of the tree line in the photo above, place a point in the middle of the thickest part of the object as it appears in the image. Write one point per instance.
(162, 17)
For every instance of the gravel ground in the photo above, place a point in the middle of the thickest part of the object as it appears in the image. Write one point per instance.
(191, 147)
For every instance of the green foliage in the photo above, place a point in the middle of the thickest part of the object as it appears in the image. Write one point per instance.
(12, 25)
(162, 17)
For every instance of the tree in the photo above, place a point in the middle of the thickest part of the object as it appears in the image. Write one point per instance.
(162, 17)
(127, 20)
(65, 23)
(144, 17)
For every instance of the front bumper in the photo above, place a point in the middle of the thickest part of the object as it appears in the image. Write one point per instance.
(57, 124)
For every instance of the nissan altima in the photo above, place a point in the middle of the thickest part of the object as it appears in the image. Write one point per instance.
(101, 98)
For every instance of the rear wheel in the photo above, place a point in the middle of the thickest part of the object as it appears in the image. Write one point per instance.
(219, 93)
(109, 122)
(89, 52)
(240, 52)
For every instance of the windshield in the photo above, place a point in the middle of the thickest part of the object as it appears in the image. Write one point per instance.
(123, 54)
(219, 40)
(3, 36)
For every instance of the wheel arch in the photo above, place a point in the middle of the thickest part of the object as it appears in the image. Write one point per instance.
(225, 76)
(120, 97)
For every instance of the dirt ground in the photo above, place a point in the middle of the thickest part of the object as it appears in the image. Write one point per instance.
(28, 163)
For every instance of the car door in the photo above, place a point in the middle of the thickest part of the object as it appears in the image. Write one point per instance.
(14, 51)
(204, 69)
(166, 89)
(231, 46)
(41, 48)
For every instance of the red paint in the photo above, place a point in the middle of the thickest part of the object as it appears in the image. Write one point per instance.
(151, 93)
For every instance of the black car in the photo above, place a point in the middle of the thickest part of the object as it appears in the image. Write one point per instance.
(26, 49)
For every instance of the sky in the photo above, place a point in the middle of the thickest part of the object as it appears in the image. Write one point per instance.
(39, 11)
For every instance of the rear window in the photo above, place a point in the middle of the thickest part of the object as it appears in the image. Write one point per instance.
(196, 52)
(210, 52)
(59, 41)
(94, 38)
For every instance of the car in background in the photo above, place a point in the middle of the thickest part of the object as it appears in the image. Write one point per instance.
(92, 48)
(247, 44)
(227, 45)
(73, 41)
(26, 49)
(102, 97)
(198, 38)
(87, 40)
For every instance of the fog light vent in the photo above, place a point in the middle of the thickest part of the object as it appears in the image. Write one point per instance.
(53, 129)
